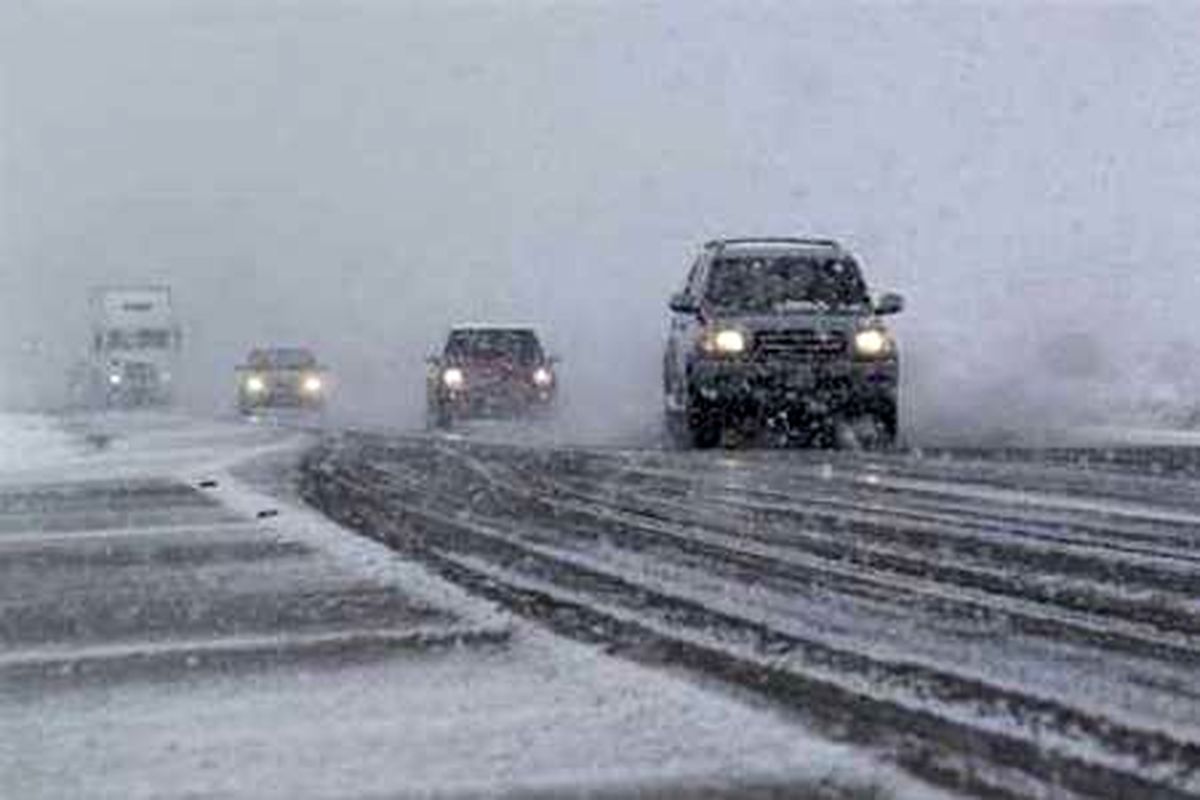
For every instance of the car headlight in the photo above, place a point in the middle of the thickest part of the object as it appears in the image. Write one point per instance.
(542, 377)
(725, 341)
(255, 384)
(872, 343)
(453, 378)
(114, 379)
(312, 385)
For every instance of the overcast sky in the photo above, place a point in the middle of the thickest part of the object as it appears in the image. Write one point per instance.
(359, 174)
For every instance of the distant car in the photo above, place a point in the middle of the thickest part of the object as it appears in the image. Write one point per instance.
(281, 378)
(782, 334)
(490, 371)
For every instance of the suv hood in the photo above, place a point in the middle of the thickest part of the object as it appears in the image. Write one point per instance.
(823, 322)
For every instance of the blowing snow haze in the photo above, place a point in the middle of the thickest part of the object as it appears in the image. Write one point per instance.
(356, 176)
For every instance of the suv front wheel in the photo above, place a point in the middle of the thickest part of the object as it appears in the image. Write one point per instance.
(697, 424)
(437, 417)
(875, 430)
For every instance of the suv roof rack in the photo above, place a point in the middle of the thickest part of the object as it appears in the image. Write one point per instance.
(717, 244)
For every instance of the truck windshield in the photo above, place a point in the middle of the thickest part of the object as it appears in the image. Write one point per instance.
(139, 339)
(517, 345)
(772, 283)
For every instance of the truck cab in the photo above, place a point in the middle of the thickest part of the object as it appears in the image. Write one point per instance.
(135, 347)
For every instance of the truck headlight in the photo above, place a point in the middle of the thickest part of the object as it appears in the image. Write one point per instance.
(542, 377)
(872, 343)
(453, 378)
(312, 385)
(255, 384)
(725, 341)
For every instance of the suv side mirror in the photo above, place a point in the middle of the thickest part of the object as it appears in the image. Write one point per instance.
(889, 303)
(684, 303)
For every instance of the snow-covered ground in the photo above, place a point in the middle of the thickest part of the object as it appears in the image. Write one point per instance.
(537, 716)
(130, 445)
(1043, 600)
(525, 713)
(1135, 436)
(27, 441)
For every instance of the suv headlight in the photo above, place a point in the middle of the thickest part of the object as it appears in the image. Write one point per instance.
(873, 343)
(312, 385)
(453, 378)
(255, 384)
(725, 341)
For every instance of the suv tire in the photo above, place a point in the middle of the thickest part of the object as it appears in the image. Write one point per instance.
(875, 430)
(437, 418)
(704, 428)
(703, 436)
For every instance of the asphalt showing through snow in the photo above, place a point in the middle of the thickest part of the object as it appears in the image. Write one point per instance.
(174, 623)
(1024, 625)
(154, 573)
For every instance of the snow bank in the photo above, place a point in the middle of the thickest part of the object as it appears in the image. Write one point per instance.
(29, 441)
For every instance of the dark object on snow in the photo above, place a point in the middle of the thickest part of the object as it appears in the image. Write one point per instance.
(100, 441)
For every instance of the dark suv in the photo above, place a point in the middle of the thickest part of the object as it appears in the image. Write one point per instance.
(490, 371)
(780, 334)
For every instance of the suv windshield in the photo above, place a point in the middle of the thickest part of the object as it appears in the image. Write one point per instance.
(773, 283)
(282, 358)
(519, 345)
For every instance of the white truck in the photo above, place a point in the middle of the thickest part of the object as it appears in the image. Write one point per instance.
(135, 346)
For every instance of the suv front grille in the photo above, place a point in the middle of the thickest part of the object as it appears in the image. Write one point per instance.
(800, 344)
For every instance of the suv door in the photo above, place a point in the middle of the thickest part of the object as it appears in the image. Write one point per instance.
(684, 328)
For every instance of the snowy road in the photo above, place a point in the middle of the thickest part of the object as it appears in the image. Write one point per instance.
(174, 624)
(1014, 623)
